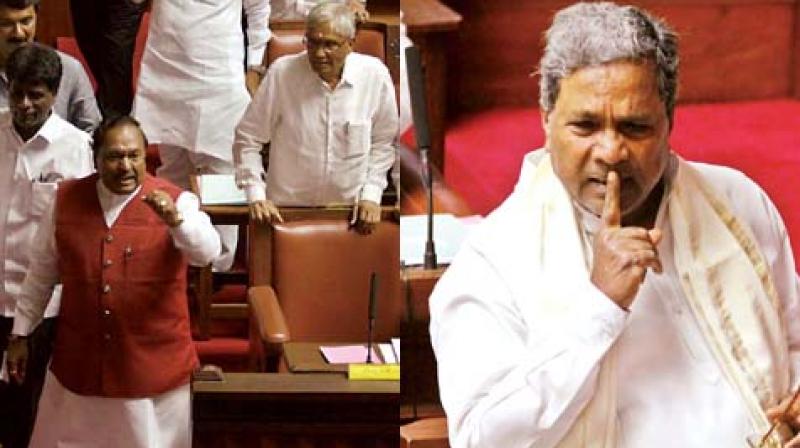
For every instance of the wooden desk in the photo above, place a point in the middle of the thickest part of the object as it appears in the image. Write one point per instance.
(429, 22)
(419, 379)
(305, 357)
(264, 410)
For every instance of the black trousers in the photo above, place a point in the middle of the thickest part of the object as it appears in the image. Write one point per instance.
(106, 34)
(18, 402)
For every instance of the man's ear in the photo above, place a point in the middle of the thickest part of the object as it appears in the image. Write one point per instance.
(545, 122)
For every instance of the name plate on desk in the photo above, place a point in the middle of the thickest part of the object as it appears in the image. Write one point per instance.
(373, 372)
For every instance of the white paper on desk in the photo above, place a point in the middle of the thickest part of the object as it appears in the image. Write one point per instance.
(348, 354)
(448, 234)
(387, 353)
(396, 348)
(219, 189)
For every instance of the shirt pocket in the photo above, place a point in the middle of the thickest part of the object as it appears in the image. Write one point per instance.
(43, 194)
(356, 141)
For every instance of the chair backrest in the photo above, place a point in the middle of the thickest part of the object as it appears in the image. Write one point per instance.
(287, 38)
(320, 271)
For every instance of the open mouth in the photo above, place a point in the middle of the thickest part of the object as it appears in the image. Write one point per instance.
(127, 181)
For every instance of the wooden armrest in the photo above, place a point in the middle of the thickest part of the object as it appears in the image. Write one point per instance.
(268, 315)
(425, 433)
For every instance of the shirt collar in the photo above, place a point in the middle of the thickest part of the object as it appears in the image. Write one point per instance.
(109, 199)
(51, 129)
(349, 71)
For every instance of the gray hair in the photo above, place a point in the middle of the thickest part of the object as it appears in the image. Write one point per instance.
(590, 34)
(338, 15)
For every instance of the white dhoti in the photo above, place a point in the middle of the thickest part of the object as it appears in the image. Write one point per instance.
(69, 420)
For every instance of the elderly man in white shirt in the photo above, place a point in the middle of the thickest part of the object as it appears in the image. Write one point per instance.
(330, 118)
(119, 241)
(621, 296)
(37, 150)
(194, 85)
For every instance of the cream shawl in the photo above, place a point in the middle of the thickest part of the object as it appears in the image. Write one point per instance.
(723, 275)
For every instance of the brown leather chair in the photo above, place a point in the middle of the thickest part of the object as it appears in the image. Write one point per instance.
(316, 284)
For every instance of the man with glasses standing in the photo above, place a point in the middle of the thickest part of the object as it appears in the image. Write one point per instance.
(330, 118)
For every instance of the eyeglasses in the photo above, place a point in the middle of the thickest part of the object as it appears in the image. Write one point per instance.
(327, 45)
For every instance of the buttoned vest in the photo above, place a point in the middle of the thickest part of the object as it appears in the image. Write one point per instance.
(123, 328)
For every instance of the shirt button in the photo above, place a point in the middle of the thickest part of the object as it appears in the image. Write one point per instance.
(106, 288)
(107, 312)
(107, 337)
(109, 238)
(107, 263)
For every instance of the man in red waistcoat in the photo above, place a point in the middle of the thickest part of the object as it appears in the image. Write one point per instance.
(120, 242)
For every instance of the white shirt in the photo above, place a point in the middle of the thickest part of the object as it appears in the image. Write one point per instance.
(195, 237)
(506, 383)
(29, 172)
(327, 145)
(191, 91)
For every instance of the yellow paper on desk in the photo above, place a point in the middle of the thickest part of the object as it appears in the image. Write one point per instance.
(373, 372)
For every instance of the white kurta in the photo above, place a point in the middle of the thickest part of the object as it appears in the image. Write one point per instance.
(29, 172)
(506, 382)
(294, 9)
(326, 145)
(191, 90)
(68, 419)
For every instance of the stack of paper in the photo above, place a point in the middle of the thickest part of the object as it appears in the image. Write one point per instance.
(219, 189)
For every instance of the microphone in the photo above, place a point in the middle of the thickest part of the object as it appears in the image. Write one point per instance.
(373, 289)
(419, 109)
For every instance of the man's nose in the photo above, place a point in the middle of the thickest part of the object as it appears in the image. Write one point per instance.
(18, 31)
(319, 51)
(25, 101)
(610, 147)
(125, 164)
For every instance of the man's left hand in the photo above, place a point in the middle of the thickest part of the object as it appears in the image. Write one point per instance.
(790, 419)
(366, 215)
(162, 204)
(251, 80)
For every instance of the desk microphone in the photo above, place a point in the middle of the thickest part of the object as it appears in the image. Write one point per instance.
(419, 109)
(373, 289)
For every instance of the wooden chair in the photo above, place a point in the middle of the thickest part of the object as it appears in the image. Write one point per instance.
(222, 297)
(425, 433)
(310, 281)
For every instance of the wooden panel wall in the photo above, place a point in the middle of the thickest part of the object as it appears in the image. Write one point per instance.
(730, 49)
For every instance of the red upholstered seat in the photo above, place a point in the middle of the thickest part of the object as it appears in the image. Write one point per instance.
(760, 138)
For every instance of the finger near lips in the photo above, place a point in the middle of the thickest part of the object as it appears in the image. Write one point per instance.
(611, 212)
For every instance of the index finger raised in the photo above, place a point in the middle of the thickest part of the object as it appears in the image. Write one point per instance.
(611, 216)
